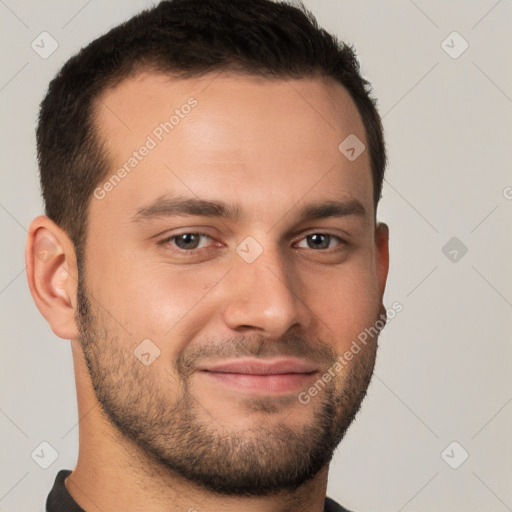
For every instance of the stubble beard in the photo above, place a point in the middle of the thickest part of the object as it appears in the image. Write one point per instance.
(162, 419)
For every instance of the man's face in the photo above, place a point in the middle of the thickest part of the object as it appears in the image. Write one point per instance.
(269, 286)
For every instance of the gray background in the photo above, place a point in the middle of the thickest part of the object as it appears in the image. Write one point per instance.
(443, 370)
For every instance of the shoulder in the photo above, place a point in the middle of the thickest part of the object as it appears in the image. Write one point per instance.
(332, 506)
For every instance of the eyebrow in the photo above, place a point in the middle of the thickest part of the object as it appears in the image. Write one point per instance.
(179, 206)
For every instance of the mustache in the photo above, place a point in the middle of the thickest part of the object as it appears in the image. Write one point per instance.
(291, 345)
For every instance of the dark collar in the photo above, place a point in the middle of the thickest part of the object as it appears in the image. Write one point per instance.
(59, 499)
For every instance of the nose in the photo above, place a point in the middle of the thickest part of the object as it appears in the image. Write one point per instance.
(265, 295)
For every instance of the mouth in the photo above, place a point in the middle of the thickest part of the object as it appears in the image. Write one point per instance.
(262, 376)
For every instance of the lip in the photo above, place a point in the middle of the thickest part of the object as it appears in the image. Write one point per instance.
(262, 376)
(262, 366)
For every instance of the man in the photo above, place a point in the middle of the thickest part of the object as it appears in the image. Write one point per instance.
(211, 171)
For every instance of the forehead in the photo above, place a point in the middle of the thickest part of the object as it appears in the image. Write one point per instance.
(140, 101)
(227, 134)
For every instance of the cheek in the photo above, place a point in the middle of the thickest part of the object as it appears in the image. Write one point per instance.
(346, 303)
(160, 302)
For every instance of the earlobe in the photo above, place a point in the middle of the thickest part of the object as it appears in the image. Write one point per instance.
(52, 275)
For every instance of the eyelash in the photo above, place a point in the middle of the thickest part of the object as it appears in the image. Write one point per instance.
(192, 252)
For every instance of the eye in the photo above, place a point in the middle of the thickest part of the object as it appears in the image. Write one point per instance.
(185, 242)
(323, 241)
(190, 243)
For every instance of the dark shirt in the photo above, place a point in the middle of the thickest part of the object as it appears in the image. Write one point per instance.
(59, 499)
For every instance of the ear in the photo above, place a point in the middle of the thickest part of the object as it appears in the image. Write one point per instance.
(52, 275)
(382, 256)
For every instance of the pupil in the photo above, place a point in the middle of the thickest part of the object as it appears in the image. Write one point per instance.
(316, 238)
(186, 239)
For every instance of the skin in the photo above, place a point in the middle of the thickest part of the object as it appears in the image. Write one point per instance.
(151, 436)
